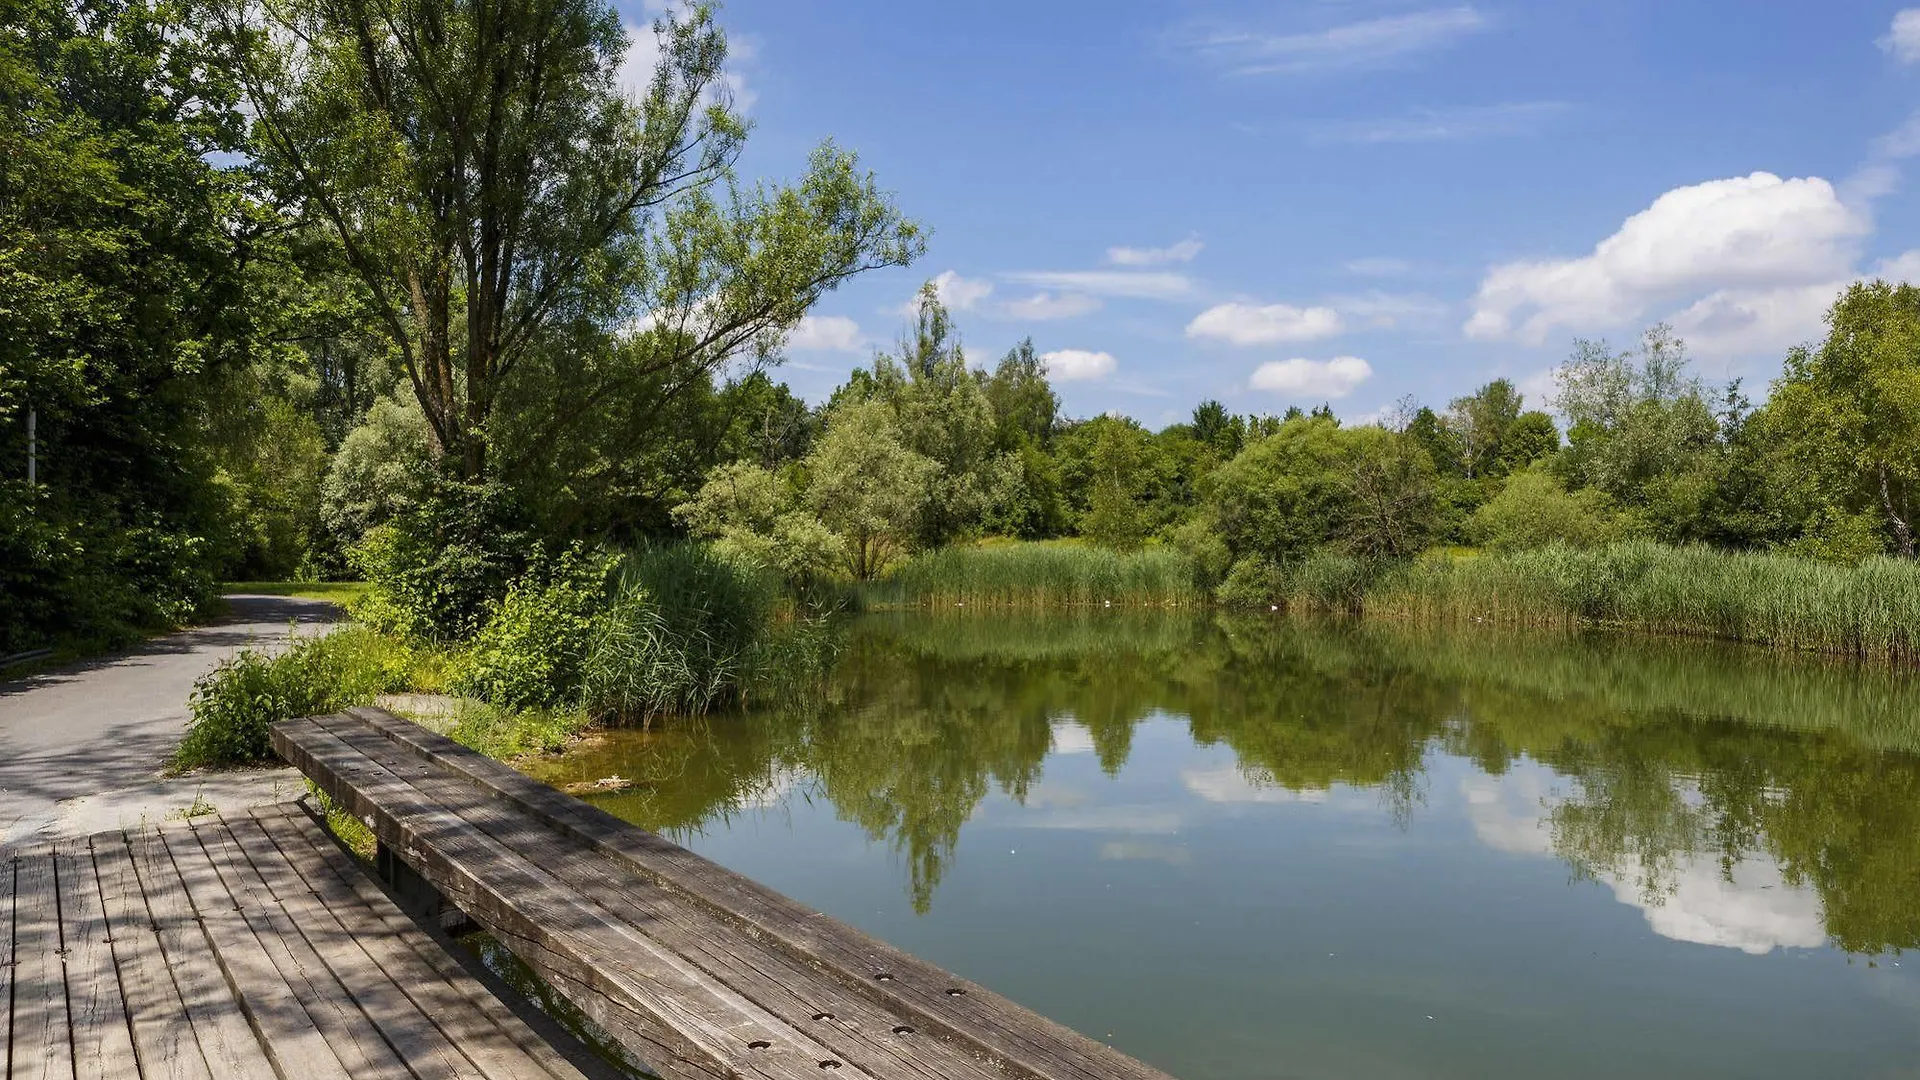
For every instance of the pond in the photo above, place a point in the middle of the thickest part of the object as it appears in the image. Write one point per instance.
(1266, 847)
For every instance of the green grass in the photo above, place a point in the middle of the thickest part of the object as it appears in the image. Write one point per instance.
(1870, 611)
(340, 592)
(506, 734)
(1039, 575)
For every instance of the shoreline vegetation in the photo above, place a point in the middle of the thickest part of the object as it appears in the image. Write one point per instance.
(1868, 611)
(583, 642)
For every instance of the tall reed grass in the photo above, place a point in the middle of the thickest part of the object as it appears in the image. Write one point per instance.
(1870, 610)
(1039, 576)
(689, 630)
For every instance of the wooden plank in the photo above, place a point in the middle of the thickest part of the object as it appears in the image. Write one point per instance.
(9, 958)
(315, 883)
(163, 1040)
(285, 1010)
(331, 995)
(986, 1024)
(363, 1010)
(640, 987)
(228, 1042)
(42, 1040)
(102, 1038)
(852, 1029)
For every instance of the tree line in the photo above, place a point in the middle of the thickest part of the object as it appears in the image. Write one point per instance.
(420, 291)
(923, 449)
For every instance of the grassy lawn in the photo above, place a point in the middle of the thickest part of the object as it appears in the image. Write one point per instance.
(340, 592)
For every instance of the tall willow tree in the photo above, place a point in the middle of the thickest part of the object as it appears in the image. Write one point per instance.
(509, 205)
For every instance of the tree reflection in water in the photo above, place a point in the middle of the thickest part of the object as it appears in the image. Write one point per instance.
(1668, 755)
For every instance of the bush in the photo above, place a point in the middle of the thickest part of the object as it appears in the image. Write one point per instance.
(532, 652)
(1533, 511)
(1253, 582)
(233, 705)
(85, 583)
(435, 571)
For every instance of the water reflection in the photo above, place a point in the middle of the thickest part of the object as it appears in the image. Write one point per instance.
(1737, 798)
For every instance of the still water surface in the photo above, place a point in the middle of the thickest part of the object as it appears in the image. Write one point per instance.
(1265, 848)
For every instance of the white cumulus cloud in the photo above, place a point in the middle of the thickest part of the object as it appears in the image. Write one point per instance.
(1044, 305)
(827, 333)
(1256, 324)
(1184, 251)
(1298, 378)
(1756, 232)
(1903, 37)
(958, 293)
(1078, 365)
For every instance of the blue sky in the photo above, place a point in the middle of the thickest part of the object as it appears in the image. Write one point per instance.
(1347, 200)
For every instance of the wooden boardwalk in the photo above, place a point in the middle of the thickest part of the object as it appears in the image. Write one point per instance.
(239, 946)
(699, 972)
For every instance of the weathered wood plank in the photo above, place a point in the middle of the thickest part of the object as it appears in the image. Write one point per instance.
(331, 996)
(281, 1006)
(102, 1038)
(42, 1041)
(229, 1044)
(851, 1028)
(369, 1009)
(163, 1040)
(641, 986)
(8, 958)
(986, 1024)
(318, 887)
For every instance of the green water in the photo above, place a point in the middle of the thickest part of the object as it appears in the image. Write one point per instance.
(1272, 849)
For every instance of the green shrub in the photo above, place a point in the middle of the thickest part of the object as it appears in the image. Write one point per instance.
(435, 571)
(82, 583)
(233, 705)
(1534, 511)
(532, 652)
(1253, 582)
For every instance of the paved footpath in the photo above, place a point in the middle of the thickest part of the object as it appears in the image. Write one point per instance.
(81, 746)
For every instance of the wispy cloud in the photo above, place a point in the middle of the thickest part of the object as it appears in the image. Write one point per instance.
(1184, 251)
(1365, 44)
(1443, 124)
(1043, 305)
(1154, 285)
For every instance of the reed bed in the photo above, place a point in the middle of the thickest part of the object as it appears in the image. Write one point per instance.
(1870, 610)
(1040, 576)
